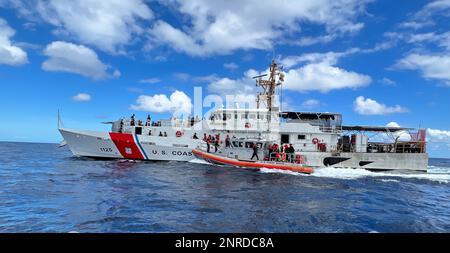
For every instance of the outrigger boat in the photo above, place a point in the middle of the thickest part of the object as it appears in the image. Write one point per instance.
(234, 156)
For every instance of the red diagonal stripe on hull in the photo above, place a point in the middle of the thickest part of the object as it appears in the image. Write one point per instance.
(126, 145)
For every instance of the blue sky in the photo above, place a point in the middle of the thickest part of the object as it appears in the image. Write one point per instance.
(375, 62)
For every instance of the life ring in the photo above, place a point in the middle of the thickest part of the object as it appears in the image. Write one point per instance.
(178, 134)
(315, 141)
(248, 125)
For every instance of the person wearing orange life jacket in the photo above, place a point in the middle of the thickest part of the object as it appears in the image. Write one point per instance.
(275, 152)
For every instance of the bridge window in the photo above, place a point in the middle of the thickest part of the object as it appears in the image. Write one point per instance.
(301, 137)
(252, 116)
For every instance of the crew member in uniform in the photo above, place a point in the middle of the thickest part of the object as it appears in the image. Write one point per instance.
(208, 143)
(255, 152)
(132, 120)
(149, 120)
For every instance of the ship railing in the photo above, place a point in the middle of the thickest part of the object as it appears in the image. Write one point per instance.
(177, 123)
(203, 146)
(410, 147)
(286, 158)
(379, 147)
(331, 129)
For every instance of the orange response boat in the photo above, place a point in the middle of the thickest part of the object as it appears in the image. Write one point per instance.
(216, 159)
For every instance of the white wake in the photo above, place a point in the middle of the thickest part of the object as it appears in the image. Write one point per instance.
(199, 161)
(441, 175)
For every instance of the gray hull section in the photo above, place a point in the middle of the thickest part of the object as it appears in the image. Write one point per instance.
(371, 161)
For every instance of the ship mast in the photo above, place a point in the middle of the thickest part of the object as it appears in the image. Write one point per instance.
(276, 78)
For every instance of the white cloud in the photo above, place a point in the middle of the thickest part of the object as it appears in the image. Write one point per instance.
(10, 54)
(439, 136)
(308, 41)
(243, 86)
(387, 81)
(440, 39)
(415, 25)
(202, 27)
(231, 66)
(425, 16)
(323, 77)
(433, 8)
(220, 27)
(182, 76)
(105, 24)
(150, 80)
(207, 78)
(178, 103)
(420, 37)
(431, 66)
(72, 58)
(367, 106)
(82, 97)
(310, 103)
(330, 58)
(319, 73)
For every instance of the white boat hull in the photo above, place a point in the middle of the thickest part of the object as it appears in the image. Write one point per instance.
(141, 147)
(127, 146)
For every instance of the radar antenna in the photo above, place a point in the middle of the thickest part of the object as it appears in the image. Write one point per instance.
(276, 78)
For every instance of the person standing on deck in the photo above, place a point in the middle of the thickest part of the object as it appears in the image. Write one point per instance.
(216, 144)
(132, 120)
(255, 151)
(218, 139)
(227, 141)
(149, 120)
(208, 144)
(234, 141)
(270, 151)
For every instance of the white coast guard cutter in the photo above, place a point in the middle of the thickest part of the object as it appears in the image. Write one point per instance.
(319, 137)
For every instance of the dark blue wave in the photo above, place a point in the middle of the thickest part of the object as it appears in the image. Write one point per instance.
(44, 189)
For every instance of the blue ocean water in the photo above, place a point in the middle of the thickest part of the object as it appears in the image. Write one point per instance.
(44, 189)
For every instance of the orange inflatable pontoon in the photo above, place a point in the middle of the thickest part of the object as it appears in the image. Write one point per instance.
(251, 164)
